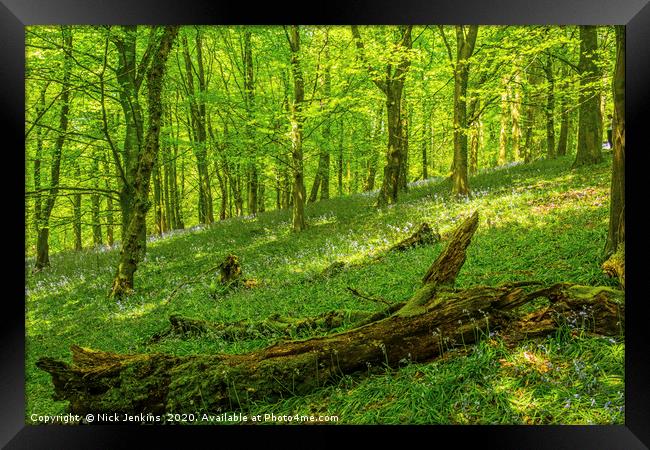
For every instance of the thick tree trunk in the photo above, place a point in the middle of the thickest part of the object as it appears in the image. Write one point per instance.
(131, 242)
(616, 233)
(391, 85)
(436, 319)
(299, 193)
(590, 127)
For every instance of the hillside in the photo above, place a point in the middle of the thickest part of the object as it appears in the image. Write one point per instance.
(541, 221)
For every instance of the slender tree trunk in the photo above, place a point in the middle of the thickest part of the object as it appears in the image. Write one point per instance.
(123, 282)
(198, 123)
(42, 243)
(473, 147)
(590, 127)
(95, 201)
(253, 182)
(550, 109)
(38, 198)
(109, 205)
(616, 233)
(515, 118)
(503, 133)
(322, 172)
(465, 40)
(299, 194)
(404, 145)
(339, 172)
(424, 144)
(157, 199)
(166, 194)
(528, 149)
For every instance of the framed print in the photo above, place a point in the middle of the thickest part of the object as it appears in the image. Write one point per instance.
(360, 216)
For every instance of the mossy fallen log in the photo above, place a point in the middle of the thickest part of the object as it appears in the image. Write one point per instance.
(274, 326)
(444, 318)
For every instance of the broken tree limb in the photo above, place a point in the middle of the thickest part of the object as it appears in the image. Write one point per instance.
(98, 381)
(446, 267)
(422, 236)
(360, 294)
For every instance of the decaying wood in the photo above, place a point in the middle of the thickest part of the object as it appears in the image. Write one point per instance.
(615, 265)
(443, 318)
(230, 276)
(422, 236)
(275, 326)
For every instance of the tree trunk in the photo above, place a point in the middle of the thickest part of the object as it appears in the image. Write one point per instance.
(550, 109)
(109, 207)
(515, 117)
(404, 145)
(437, 318)
(424, 145)
(129, 80)
(590, 126)
(42, 243)
(157, 199)
(131, 242)
(616, 233)
(503, 133)
(95, 202)
(465, 40)
(299, 194)
(391, 85)
(474, 146)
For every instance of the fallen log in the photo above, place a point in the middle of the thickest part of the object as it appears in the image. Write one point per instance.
(437, 319)
(275, 326)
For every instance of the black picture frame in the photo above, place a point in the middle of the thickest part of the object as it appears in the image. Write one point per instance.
(16, 14)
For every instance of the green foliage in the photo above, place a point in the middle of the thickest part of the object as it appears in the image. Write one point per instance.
(540, 221)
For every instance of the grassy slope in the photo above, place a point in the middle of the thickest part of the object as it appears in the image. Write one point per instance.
(542, 221)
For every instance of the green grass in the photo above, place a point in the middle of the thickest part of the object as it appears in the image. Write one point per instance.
(541, 221)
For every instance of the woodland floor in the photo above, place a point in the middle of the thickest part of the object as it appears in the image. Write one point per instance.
(541, 221)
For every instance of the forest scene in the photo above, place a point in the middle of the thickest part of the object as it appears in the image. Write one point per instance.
(399, 224)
